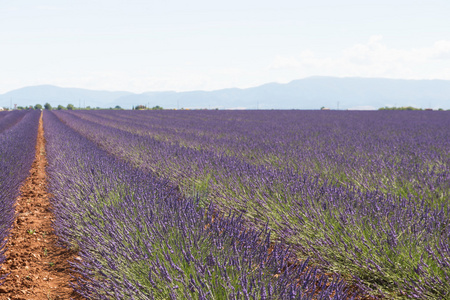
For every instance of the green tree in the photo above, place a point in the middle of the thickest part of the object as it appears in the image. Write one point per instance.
(47, 106)
(399, 108)
(60, 107)
(70, 107)
(38, 106)
(140, 107)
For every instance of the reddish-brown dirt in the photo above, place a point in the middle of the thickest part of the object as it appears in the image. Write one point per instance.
(37, 267)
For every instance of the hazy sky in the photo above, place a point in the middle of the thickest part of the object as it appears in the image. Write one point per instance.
(186, 45)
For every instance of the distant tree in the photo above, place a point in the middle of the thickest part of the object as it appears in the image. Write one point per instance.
(117, 107)
(47, 106)
(38, 106)
(88, 107)
(140, 107)
(157, 107)
(60, 107)
(20, 107)
(70, 107)
(399, 108)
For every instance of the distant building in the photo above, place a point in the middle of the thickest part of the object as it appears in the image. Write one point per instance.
(324, 108)
(1, 108)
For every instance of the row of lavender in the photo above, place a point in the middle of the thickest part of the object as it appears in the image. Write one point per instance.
(138, 237)
(18, 133)
(365, 193)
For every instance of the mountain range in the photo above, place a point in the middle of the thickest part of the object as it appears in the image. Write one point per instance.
(307, 93)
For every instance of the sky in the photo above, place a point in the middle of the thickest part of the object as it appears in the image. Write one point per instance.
(148, 45)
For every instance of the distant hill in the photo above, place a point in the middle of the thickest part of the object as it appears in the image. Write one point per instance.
(308, 93)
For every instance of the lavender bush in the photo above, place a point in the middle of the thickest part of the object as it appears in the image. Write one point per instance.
(18, 134)
(139, 237)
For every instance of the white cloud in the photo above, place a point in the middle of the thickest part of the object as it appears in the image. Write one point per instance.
(373, 59)
(374, 39)
(441, 50)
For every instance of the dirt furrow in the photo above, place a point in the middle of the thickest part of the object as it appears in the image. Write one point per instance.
(38, 268)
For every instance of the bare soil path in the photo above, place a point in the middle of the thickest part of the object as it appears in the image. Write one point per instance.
(38, 268)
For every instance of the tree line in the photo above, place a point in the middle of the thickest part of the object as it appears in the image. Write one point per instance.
(405, 108)
(48, 106)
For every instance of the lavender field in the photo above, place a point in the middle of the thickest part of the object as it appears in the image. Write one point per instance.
(217, 204)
